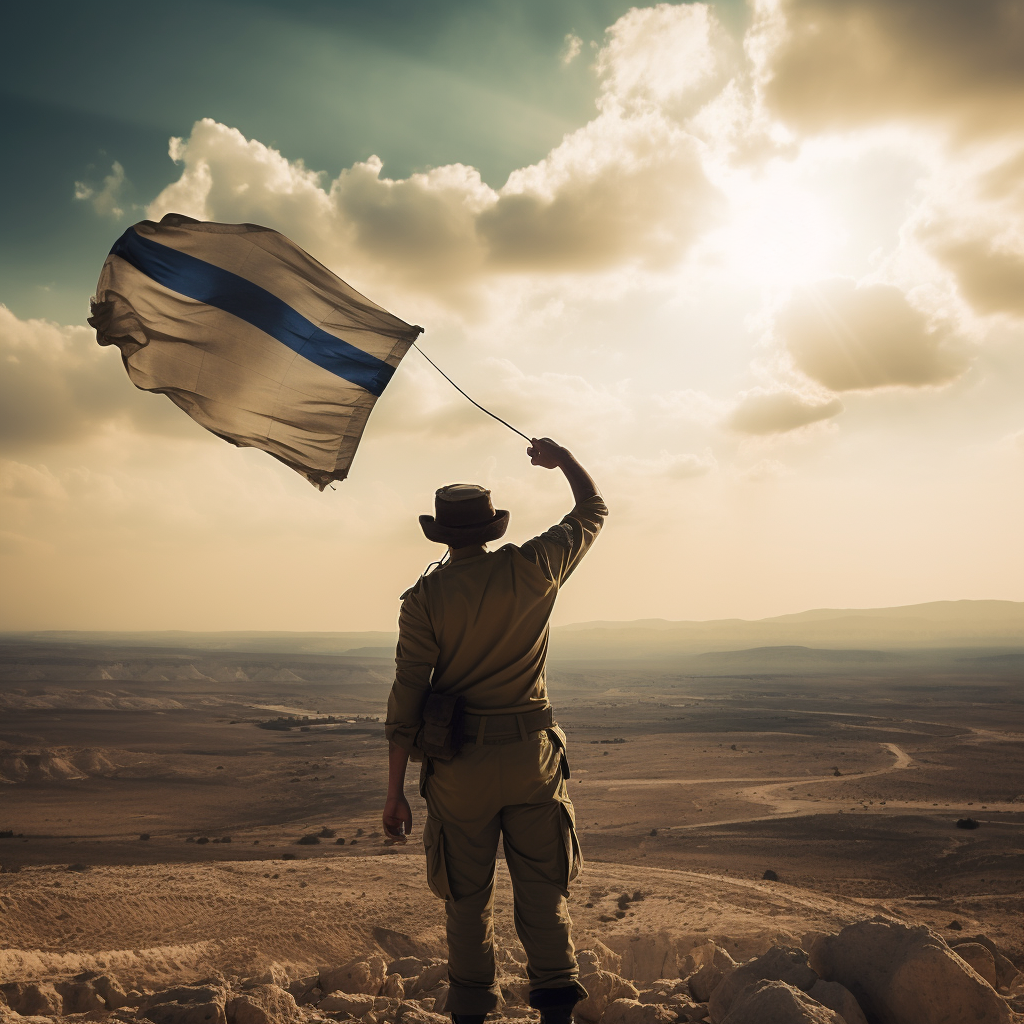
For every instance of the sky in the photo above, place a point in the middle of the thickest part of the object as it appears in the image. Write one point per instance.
(759, 266)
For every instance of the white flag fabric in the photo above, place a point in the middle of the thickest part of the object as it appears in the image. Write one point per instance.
(251, 336)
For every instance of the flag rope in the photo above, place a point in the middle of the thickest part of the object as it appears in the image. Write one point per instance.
(463, 393)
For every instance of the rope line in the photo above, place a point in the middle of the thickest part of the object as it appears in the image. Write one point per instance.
(463, 393)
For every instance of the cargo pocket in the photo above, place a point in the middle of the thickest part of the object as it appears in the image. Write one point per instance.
(573, 854)
(557, 737)
(426, 770)
(437, 867)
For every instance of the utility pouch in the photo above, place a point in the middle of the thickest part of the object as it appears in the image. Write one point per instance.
(443, 720)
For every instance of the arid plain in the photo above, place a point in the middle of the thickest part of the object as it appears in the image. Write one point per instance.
(843, 771)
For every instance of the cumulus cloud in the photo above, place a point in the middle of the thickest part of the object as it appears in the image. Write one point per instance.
(106, 199)
(833, 64)
(627, 190)
(58, 385)
(571, 48)
(618, 192)
(761, 411)
(851, 338)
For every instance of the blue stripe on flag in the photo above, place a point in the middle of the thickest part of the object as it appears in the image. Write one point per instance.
(204, 282)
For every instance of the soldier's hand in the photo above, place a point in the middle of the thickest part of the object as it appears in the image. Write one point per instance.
(397, 818)
(545, 452)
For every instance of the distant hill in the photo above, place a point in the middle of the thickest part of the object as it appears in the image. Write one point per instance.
(850, 635)
(945, 624)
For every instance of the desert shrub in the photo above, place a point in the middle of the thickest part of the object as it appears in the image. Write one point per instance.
(144, 836)
(289, 856)
(770, 876)
(967, 823)
(77, 867)
(311, 840)
(339, 841)
(327, 833)
(202, 840)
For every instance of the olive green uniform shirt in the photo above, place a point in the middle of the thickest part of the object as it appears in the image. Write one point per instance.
(478, 627)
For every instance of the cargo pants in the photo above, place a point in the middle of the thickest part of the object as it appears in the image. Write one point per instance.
(515, 790)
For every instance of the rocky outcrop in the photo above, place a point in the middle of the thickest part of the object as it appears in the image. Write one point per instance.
(186, 1004)
(33, 997)
(603, 986)
(631, 1011)
(355, 1004)
(903, 975)
(775, 1002)
(780, 963)
(712, 965)
(839, 998)
(262, 1004)
(979, 958)
(362, 976)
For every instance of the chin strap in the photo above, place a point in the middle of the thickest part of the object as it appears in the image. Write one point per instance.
(444, 560)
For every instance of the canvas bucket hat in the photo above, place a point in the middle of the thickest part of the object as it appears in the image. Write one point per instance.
(463, 516)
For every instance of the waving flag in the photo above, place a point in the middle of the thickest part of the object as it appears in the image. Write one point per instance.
(251, 336)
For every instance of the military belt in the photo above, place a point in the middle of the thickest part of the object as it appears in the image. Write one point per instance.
(506, 727)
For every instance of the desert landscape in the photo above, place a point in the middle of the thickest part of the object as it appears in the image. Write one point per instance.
(200, 812)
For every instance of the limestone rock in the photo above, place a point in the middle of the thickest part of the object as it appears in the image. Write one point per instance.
(393, 987)
(649, 957)
(979, 959)
(775, 1002)
(186, 1004)
(428, 980)
(419, 1016)
(306, 991)
(667, 990)
(780, 963)
(352, 1003)
(80, 997)
(1006, 972)
(185, 1013)
(361, 976)
(603, 988)
(710, 974)
(903, 975)
(33, 997)
(407, 966)
(837, 997)
(630, 1011)
(110, 989)
(262, 1004)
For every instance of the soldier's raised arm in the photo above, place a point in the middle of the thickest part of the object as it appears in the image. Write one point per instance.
(558, 551)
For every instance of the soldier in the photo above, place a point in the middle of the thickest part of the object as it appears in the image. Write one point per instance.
(470, 701)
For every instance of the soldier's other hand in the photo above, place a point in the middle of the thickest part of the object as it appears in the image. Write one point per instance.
(545, 452)
(397, 818)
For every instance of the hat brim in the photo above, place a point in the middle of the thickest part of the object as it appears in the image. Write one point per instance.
(465, 536)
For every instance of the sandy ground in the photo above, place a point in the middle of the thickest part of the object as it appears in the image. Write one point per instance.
(154, 924)
(687, 790)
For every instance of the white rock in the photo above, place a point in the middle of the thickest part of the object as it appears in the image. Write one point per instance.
(775, 1002)
(361, 976)
(33, 997)
(393, 987)
(262, 1004)
(353, 1003)
(839, 998)
(979, 958)
(903, 975)
(629, 1011)
(780, 963)
(603, 988)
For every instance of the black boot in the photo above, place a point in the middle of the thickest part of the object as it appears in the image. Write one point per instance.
(555, 1004)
